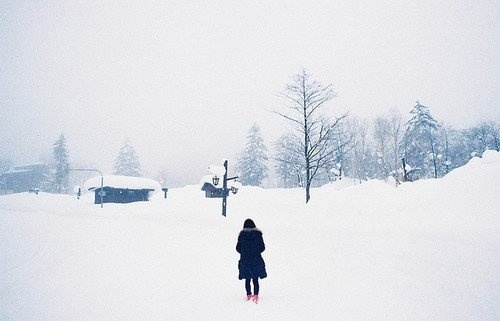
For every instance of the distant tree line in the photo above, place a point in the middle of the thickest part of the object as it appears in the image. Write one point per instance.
(317, 150)
(314, 151)
(54, 176)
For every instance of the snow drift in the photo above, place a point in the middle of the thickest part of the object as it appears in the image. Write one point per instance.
(428, 250)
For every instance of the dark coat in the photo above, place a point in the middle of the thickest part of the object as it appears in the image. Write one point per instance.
(250, 246)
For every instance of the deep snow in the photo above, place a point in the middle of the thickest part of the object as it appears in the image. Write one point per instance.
(428, 250)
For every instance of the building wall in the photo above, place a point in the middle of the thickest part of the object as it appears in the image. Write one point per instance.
(119, 195)
(23, 178)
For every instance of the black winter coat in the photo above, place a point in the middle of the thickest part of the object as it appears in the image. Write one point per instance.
(250, 246)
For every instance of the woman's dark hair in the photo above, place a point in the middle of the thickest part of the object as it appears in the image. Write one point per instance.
(248, 223)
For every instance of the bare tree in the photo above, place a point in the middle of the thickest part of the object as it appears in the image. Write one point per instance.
(361, 163)
(310, 127)
(446, 134)
(342, 142)
(288, 165)
(381, 135)
(493, 136)
(397, 138)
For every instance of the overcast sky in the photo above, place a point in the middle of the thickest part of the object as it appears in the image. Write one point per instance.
(185, 80)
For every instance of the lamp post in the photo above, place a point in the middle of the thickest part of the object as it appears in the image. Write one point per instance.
(225, 190)
(101, 192)
(222, 192)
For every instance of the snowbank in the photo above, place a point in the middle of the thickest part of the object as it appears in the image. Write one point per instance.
(428, 250)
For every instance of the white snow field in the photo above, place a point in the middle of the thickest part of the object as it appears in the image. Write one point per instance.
(428, 250)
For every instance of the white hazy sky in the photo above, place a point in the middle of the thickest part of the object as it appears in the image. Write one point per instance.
(185, 80)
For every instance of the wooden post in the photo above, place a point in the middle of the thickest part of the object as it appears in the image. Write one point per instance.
(405, 177)
(224, 190)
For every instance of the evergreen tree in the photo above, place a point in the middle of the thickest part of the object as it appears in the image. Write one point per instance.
(127, 162)
(420, 140)
(251, 162)
(61, 157)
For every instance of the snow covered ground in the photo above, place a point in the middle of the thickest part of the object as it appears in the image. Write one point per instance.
(428, 250)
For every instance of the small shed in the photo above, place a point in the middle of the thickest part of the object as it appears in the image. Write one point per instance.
(122, 189)
(211, 191)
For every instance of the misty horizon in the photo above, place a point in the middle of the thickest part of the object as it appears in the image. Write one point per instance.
(186, 81)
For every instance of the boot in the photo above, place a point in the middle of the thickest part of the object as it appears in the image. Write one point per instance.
(255, 299)
(249, 296)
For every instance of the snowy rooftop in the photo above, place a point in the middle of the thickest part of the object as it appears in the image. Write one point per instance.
(208, 179)
(118, 181)
(25, 168)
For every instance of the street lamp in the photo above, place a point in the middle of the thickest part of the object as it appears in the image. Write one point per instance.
(225, 190)
(101, 192)
(221, 192)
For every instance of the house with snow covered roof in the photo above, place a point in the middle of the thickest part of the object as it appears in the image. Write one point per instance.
(23, 178)
(122, 189)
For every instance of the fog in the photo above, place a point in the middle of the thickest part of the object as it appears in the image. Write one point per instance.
(185, 80)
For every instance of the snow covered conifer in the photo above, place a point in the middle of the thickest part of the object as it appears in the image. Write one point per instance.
(420, 140)
(127, 162)
(251, 162)
(60, 153)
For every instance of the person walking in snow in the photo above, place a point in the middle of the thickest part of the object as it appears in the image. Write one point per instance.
(251, 265)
